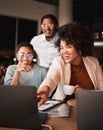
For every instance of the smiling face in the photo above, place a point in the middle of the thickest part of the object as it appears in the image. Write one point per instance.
(69, 53)
(48, 28)
(24, 55)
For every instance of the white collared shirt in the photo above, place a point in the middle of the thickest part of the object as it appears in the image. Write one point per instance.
(45, 50)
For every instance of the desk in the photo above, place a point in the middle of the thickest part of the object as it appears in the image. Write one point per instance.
(64, 123)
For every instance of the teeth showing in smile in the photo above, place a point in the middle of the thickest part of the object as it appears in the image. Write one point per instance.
(66, 57)
(48, 32)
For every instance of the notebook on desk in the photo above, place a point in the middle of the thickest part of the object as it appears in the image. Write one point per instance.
(56, 108)
(18, 108)
(89, 109)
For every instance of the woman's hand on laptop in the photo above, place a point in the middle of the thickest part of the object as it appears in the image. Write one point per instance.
(42, 95)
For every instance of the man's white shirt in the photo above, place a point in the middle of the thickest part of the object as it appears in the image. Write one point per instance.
(45, 50)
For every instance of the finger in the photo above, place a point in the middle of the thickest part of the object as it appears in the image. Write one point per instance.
(41, 102)
(77, 87)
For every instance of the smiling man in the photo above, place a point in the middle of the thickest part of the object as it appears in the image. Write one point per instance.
(44, 43)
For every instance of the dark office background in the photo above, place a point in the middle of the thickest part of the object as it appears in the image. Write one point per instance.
(15, 30)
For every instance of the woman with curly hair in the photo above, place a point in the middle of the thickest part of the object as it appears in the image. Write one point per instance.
(75, 66)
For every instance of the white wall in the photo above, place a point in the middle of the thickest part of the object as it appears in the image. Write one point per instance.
(27, 9)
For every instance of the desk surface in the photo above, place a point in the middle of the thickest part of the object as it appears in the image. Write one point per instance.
(68, 123)
(64, 123)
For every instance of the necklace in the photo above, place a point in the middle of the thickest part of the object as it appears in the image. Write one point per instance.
(76, 71)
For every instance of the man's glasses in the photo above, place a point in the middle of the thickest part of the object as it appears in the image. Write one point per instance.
(22, 55)
(47, 25)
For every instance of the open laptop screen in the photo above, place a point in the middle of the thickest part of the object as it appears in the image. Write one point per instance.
(18, 107)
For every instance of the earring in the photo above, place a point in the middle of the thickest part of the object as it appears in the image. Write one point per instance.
(34, 60)
(15, 60)
(80, 53)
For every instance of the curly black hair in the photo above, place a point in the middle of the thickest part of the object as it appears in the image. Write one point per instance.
(78, 35)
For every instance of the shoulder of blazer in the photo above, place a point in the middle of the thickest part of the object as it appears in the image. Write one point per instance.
(90, 59)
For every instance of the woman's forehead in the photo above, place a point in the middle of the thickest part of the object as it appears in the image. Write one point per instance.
(24, 49)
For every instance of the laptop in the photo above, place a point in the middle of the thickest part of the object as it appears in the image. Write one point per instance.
(18, 108)
(89, 109)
